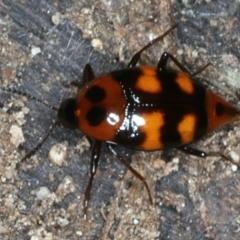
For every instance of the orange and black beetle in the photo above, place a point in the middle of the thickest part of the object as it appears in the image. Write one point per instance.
(145, 108)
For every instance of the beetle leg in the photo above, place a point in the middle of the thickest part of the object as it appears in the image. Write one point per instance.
(192, 151)
(93, 168)
(134, 60)
(133, 171)
(201, 69)
(162, 64)
(88, 76)
(199, 153)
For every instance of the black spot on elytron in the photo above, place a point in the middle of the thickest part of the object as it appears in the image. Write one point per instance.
(220, 109)
(96, 115)
(95, 94)
(127, 138)
(127, 77)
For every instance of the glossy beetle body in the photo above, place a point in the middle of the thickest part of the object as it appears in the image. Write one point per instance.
(145, 109)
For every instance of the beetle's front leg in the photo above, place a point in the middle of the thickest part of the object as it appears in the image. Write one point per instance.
(87, 77)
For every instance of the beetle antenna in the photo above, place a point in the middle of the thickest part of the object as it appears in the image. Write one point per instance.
(39, 145)
(56, 123)
(16, 91)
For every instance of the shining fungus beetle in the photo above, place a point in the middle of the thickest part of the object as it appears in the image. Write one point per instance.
(141, 107)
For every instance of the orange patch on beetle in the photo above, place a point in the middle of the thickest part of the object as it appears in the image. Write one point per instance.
(148, 81)
(184, 82)
(153, 124)
(186, 128)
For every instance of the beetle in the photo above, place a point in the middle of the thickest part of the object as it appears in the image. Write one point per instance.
(144, 108)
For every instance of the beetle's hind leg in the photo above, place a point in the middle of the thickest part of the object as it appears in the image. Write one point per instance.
(162, 64)
(133, 171)
(202, 154)
(193, 151)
